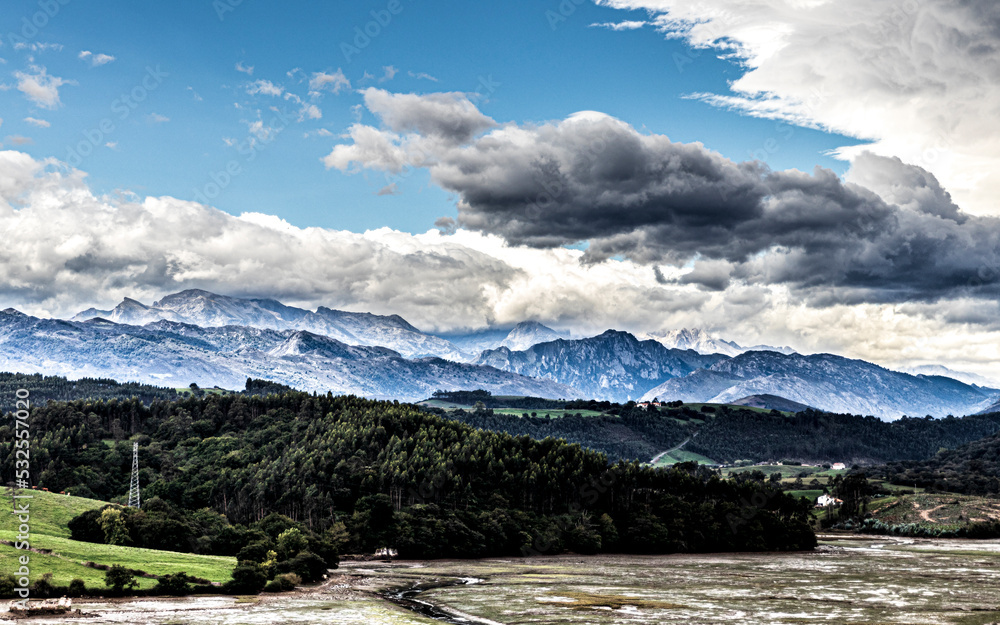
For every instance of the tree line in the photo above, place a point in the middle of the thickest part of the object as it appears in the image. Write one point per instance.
(359, 475)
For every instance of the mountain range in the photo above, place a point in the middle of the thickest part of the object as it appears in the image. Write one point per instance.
(176, 354)
(197, 336)
(615, 366)
(828, 382)
(704, 343)
(205, 309)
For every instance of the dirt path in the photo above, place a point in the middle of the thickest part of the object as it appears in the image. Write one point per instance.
(657, 457)
(926, 514)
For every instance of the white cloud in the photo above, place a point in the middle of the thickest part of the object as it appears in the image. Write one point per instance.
(921, 80)
(248, 70)
(310, 111)
(19, 140)
(619, 26)
(37, 46)
(77, 250)
(156, 118)
(264, 87)
(40, 87)
(41, 123)
(422, 76)
(333, 82)
(321, 132)
(390, 73)
(95, 59)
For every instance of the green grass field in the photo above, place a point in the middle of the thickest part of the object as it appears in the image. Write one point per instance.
(788, 472)
(811, 494)
(546, 414)
(682, 455)
(50, 513)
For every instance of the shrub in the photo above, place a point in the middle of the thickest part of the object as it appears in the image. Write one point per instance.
(7, 585)
(77, 588)
(248, 579)
(272, 586)
(177, 584)
(43, 586)
(288, 581)
(119, 578)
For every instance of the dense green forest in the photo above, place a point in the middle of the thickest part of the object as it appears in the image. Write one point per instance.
(56, 388)
(637, 434)
(360, 475)
(729, 434)
(821, 436)
(972, 469)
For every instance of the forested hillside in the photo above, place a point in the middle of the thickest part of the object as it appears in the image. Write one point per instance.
(393, 475)
(730, 433)
(812, 435)
(52, 387)
(973, 469)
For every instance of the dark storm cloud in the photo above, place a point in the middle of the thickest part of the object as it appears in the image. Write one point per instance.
(593, 178)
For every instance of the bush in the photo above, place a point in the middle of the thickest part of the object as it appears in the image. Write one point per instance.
(307, 565)
(43, 586)
(248, 579)
(119, 578)
(177, 584)
(272, 586)
(77, 588)
(288, 581)
(7, 585)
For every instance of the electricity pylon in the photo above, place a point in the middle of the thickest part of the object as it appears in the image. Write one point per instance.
(133, 490)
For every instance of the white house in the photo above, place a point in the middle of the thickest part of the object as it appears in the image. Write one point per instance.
(838, 466)
(826, 501)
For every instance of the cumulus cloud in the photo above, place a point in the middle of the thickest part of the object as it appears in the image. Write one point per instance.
(921, 80)
(334, 82)
(95, 59)
(40, 123)
(264, 87)
(39, 87)
(593, 178)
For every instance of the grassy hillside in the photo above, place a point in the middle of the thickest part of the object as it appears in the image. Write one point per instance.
(681, 455)
(50, 513)
(941, 510)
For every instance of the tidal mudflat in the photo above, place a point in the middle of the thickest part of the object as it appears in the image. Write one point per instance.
(848, 579)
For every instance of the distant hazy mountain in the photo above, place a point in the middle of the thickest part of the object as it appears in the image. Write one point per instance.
(522, 336)
(614, 366)
(961, 376)
(770, 402)
(826, 382)
(993, 407)
(171, 353)
(704, 343)
(206, 309)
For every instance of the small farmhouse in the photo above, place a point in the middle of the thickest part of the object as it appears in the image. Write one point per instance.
(826, 501)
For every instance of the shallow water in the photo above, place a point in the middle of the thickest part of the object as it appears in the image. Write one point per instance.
(847, 580)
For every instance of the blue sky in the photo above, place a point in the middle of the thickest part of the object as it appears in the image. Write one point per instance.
(527, 66)
(894, 258)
